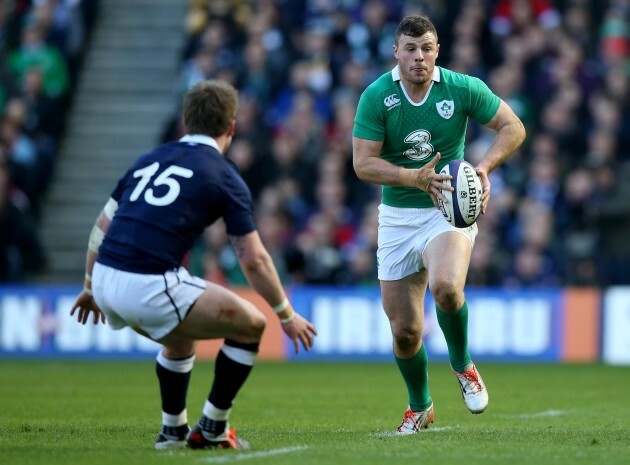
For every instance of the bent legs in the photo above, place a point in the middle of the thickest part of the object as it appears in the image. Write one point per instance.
(217, 313)
(220, 313)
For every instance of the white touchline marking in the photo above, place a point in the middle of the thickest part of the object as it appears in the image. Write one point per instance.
(253, 455)
(546, 413)
(438, 429)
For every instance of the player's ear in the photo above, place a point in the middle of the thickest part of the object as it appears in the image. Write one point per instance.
(395, 48)
(231, 128)
(437, 50)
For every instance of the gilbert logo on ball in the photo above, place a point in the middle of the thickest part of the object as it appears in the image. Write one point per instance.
(464, 203)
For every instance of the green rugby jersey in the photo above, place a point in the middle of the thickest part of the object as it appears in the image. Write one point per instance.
(413, 133)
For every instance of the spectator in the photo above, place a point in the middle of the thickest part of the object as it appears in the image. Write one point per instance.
(34, 52)
(41, 46)
(611, 211)
(513, 16)
(42, 119)
(21, 253)
(576, 225)
(21, 150)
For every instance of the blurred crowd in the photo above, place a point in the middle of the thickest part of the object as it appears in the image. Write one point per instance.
(560, 207)
(41, 46)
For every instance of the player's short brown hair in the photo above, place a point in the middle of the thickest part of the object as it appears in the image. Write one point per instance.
(210, 107)
(415, 26)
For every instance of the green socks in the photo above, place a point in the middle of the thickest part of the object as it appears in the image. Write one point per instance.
(455, 329)
(415, 372)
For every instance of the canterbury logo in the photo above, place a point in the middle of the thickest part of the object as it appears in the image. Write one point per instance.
(391, 100)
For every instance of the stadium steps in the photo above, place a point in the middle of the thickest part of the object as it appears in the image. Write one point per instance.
(124, 97)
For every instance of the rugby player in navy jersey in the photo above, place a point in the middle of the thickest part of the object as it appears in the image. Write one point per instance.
(134, 275)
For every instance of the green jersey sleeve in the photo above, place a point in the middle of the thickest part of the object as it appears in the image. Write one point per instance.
(483, 103)
(369, 122)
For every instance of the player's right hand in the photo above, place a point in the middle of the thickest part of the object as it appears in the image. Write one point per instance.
(85, 304)
(430, 182)
(299, 330)
(485, 182)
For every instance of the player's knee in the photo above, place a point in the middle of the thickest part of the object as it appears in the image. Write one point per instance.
(406, 337)
(259, 322)
(181, 350)
(255, 322)
(447, 294)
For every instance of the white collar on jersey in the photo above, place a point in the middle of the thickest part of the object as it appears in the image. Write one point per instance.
(434, 78)
(396, 74)
(200, 139)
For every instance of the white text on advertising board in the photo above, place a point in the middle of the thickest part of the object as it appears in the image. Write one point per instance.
(25, 325)
(497, 326)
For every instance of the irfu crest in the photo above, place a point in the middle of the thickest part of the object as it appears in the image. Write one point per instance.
(445, 108)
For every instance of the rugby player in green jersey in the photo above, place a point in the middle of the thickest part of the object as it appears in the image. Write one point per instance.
(410, 122)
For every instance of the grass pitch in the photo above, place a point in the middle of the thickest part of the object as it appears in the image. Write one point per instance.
(70, 412)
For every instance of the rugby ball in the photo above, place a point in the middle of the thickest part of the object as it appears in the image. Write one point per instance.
(464, 203)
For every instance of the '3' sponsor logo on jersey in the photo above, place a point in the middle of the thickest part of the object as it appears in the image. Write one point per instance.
(391, 101)
(421, 149)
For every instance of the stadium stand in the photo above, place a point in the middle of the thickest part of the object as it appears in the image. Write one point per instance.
(41, 49)
(559, 212)
(123, 97)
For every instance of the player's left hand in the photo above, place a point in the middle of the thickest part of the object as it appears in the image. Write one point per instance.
(85, 304)
(299, 329)
(485, 183)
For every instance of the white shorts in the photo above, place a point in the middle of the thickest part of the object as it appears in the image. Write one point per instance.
(403, 235)
(155, 303)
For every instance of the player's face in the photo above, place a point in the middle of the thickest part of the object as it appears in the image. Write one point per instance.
(416, 57)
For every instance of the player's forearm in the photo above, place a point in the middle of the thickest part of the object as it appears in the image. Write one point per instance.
(261, 273)
(508, 139)
(90, 259)
(378, 171)
(265, 280)
(263, 277)
(97, 235)
(96, 238)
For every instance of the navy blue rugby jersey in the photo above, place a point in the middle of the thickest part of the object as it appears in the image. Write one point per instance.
(167, 199)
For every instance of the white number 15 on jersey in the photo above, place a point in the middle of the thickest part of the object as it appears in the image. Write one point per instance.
(165, 178)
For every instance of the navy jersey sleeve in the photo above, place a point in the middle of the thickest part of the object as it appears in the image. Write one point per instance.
(239, 214)
(120, 188)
